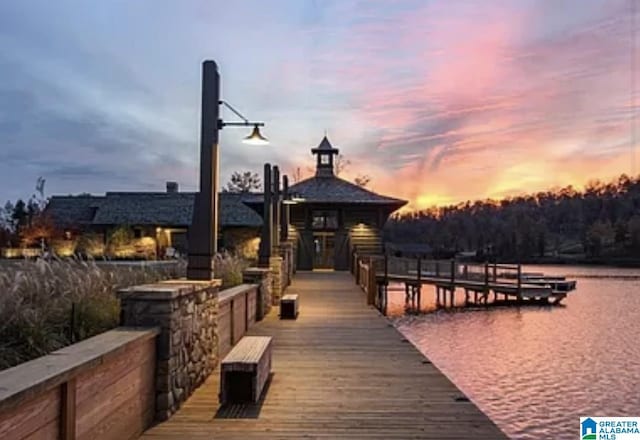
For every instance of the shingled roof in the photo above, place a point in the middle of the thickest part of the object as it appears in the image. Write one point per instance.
(322, 189)
(145, 208)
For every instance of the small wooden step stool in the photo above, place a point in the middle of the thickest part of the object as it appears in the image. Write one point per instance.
(289, 306)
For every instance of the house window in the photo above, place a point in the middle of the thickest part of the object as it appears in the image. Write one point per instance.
(324, 159)
(324, 220)
(137, 233)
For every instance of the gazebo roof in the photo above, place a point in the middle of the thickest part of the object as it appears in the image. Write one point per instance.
(336, 190)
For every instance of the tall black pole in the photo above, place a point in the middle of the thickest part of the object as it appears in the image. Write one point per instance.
(264, 251)
(276, 206)
(284, 210)
(203, 233)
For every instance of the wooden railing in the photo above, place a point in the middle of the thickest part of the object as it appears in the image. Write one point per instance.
(373, 274)
(102, 387)
(236, 314)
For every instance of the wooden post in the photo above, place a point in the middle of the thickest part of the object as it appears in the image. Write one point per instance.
(386, 268)
(486, 276)
(371, 282)
(419, 282)
(264, 251)
(519, 282)
(453, 273)
(285, 212)
(202, 236)
(246, 311)
(275, 210)
(68, 410)
(495, 273)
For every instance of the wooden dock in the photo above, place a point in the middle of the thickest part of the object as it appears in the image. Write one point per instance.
(505, 283)
(339, 371)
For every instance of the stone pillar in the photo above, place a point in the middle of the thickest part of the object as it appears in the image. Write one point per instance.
(275, 263)
(262, 277)
(187, 347)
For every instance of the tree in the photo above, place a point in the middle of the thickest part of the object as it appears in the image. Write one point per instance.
(362, 180)
(598, 236)
(341, 164)
(243, 182)
(19, 216)
(634, 232)
(296, 176)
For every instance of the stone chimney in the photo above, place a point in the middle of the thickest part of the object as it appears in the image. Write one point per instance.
(172, 187)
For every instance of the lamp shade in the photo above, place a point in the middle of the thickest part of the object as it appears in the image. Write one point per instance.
(255, 138)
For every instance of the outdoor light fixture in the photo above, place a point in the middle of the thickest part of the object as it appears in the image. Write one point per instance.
(255, 138)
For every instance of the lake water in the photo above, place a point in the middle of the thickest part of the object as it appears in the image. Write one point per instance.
(535, 370)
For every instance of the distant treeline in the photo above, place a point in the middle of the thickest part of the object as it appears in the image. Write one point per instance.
(600, 223)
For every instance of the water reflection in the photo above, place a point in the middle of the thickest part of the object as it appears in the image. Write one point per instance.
(535, 370)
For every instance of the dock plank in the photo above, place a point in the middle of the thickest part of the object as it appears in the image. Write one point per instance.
(339, 371)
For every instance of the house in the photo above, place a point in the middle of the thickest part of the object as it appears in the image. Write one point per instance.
(156, 221)
(331, 218)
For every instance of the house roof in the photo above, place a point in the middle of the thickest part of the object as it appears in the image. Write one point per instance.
(332, 189)
(70, 211)
(145, 208)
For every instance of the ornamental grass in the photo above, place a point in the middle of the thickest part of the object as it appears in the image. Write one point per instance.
(46, 305)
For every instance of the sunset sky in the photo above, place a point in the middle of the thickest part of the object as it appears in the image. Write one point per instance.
(438, 101)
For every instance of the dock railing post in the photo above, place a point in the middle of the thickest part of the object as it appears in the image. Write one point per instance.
(371, 282)
(386, 268)
(519, 280)
(419, 286)
(453, 272)
(486, 276)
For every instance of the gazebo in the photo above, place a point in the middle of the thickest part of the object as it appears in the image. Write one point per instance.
(332, 215)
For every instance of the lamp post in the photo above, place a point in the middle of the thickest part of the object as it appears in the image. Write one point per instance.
(203, 233)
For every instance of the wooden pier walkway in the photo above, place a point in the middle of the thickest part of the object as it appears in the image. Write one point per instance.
(339, 371)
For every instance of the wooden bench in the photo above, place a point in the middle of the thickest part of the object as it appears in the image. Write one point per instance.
(245, 370)
(289, 306)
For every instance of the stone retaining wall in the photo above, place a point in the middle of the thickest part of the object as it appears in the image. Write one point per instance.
(187, 347)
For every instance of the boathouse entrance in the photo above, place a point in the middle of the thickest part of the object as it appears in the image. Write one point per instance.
(324, 249)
